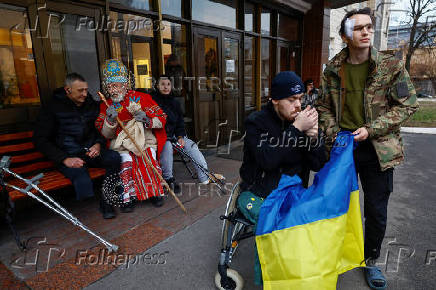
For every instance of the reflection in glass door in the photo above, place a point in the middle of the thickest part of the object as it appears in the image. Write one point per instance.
(230, 103)
(207, 87)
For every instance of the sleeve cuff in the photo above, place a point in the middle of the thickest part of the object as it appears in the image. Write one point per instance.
(370, 131)
(296, 131)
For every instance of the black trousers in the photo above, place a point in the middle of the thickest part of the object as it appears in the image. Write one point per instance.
(377, 186)
(108, 159)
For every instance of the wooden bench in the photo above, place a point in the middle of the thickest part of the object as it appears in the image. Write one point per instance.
(28, 162)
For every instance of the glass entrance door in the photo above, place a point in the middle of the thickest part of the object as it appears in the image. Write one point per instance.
(232, 101)
(207, 72)
(217, 82)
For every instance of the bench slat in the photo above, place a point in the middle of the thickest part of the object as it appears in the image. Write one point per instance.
(15, 148)
(33, 167)
(26, 157)
(16, 136)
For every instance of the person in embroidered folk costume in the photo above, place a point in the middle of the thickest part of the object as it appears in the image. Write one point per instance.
(145, 121)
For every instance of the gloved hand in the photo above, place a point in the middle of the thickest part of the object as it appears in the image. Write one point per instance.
(141, 116)
(111, 114)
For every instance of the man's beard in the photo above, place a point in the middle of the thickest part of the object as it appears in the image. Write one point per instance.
(118, 97)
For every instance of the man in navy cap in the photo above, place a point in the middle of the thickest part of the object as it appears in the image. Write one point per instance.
(279, 140)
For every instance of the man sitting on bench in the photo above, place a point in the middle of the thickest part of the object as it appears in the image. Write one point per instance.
(65, 133)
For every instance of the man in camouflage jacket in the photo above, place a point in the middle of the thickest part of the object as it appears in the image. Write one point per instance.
(390, 99)
(373, 107)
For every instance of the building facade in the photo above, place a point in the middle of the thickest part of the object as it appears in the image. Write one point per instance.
(423, 61)
(223, 53)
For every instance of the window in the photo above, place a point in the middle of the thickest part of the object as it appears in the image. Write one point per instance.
(73, 50)
(283, 58)
(18, 84)
(174, 51)
(288, 27)
(265, 22)
(135, 4)
(175, 57)
(249, 16)
(171, 7)
(134, 46)
(249, 74)
(218, 12)
(265, 70)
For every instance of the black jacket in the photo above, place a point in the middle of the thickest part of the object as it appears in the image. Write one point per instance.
(64, 129)
(175, 126)
(273, 147)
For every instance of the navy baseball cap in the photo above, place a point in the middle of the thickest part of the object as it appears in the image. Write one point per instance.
(286, 84)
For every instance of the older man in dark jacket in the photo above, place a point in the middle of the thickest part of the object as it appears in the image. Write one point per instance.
(65, 133)
(279, 139)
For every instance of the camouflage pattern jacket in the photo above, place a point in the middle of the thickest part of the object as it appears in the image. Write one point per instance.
(389, 100)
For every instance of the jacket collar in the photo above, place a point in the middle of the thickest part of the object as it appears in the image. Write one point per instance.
(335, 64)
(157, 96)
(61, 95)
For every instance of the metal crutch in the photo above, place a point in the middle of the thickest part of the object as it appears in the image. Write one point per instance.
(179, 148)
(32, 184)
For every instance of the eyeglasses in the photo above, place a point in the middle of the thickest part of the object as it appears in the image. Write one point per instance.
(369, 28)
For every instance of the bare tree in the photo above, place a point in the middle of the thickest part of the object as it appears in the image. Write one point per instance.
(423, 63)
(422, 21)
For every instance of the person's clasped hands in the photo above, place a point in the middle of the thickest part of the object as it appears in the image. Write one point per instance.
(307, 121)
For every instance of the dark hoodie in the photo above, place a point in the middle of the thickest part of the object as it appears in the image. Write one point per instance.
(273, 147)
(175, 126)
(64, 129)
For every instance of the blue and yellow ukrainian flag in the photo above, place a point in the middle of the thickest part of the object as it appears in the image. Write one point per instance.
(307, 237)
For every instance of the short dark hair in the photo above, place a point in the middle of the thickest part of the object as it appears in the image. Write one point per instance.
(163, 77)
(308, 81)
(365, 11)
(72, 77)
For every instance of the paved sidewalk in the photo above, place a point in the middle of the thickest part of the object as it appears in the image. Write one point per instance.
(181, 251)
(408, 256)
(63, 256)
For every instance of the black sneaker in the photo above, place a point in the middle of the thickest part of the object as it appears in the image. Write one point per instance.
(157, 201)
(173, 185)
(107, 210)
(127, 208)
